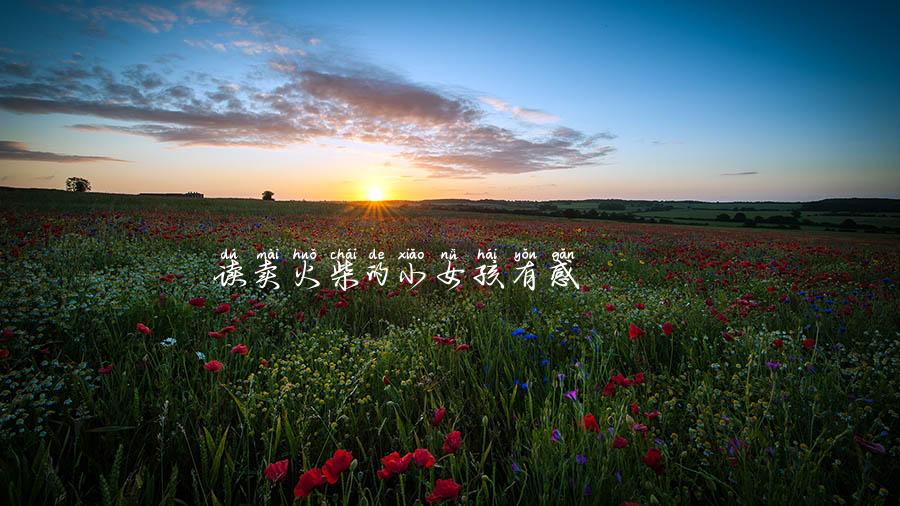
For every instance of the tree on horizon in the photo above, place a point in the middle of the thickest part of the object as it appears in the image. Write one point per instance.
(78, 184)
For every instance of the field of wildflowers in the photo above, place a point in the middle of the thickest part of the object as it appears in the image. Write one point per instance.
(691, 366)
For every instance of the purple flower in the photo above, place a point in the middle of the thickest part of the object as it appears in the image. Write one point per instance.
(869, 446)
(561, 377)
(735, 445)
(619, 476)
(555, 436)
(572, 394)
(516, 469)
(773, 365)
(588, 491)
(580, 459)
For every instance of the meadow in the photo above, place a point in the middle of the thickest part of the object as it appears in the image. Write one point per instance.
(692, 365)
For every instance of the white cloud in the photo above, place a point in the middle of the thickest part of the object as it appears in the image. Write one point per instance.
(520, 113)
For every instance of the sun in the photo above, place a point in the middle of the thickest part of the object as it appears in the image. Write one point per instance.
(374, 194)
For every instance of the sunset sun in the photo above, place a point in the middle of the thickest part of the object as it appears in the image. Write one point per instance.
(374, 194)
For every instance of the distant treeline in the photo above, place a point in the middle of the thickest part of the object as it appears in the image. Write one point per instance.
(794, 221)
(853, 206)
(552, 211)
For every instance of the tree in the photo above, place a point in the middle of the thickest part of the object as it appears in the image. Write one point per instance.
(78, 184)
(739, 217)
(723, 217)
(268, 195)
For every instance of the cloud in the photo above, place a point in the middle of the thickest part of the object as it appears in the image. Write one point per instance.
(747, 173)
(12, 150)
(206, 44)
(520, 113)
(15, 69)
(148, 18)
(216, 7)
(382, 99)
(305, 100)
(253, 48)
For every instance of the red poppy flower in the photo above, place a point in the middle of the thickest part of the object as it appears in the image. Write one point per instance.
(653, 459)
(143, 329)
(610, 389)
(240, 349)
(777, 344)
(7, 332)
(808, 343)
(215, 335)
(640, 306)
(423, 458)
(446, 341)
(463, 347)
(589, 423)
(620, 442)
(667, 329)
(308, 482)
(438, 415)
(198, 302)
(105, 369)
(229, 329)
(276, 471)
(4, 353)
(222, 308)
(634, 332)
(621, 380)
(213, 366)
(393, 464)
(444, 490)
(610, 308)
(639, 378)
(337, 464)
(452, 442)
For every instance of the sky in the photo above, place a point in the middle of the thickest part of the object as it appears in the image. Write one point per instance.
(714, 101)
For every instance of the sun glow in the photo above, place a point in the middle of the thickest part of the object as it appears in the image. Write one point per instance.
(374, 194)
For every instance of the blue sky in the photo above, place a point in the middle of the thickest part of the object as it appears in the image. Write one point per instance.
(523, 100)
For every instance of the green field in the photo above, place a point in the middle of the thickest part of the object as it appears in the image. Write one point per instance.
(691, 365)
